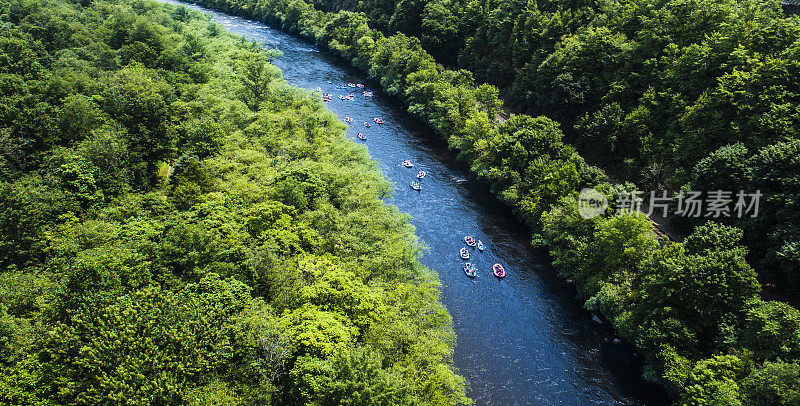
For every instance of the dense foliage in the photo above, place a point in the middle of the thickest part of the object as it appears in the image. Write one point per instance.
(692, 308)
(257, 266)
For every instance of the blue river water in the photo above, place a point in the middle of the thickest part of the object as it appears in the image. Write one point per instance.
(522, 340)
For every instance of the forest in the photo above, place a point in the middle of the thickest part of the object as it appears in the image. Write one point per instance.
(178, 225)
(680, 94)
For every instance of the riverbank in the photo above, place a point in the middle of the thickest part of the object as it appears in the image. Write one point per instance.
(264, 269)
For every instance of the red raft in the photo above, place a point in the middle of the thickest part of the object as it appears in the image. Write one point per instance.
(498, 271)
(469, 240)
(470, 270)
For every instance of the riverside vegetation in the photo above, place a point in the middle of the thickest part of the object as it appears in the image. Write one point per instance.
(649, 84)
(261, 267)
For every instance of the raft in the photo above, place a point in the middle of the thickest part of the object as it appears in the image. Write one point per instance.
(469, 240)
(498, 271)
(470, 270)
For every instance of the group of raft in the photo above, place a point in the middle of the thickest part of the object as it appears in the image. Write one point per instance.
(359, 85)
(470, 268)
(326, 97)
(416, 185)
(361, 136)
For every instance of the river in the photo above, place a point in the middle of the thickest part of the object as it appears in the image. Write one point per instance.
(522, 340)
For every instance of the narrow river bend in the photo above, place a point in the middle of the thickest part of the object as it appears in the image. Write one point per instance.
(522, 340)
